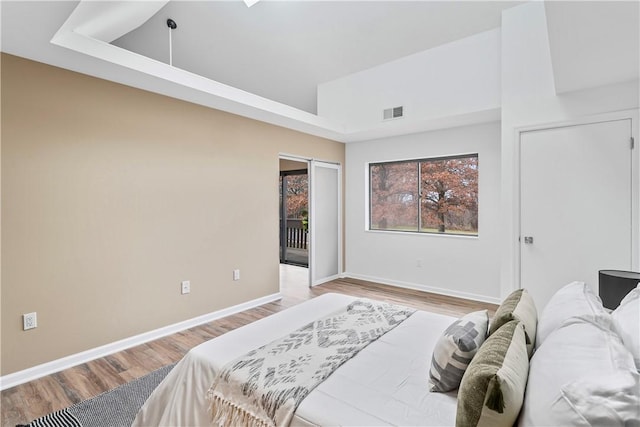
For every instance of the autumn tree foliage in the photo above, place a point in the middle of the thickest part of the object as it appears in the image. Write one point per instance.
(394, 196)
(450, 194)
(442, 192)
(297, 196)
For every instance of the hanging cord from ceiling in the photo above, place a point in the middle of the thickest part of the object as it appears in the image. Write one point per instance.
(172, 26)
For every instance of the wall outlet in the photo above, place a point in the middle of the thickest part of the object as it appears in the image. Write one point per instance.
(29, 321)
(185, 287)
(418, 262)
(236, 274)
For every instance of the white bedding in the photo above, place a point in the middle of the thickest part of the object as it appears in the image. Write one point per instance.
(384, 384)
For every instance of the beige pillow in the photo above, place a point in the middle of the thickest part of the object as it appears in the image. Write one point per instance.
(455, 349)
(518, 306)
(492, 388)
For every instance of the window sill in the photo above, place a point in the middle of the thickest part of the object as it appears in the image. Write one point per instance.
(415, 233)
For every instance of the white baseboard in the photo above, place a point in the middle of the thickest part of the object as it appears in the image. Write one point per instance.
(327, 279)
(425, 288)
(48, 368)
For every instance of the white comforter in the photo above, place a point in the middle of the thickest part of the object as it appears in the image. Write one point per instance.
(384, 384)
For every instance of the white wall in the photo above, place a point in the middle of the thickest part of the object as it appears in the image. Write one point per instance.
(528, 99)
(450, 80)
(509, 68)
(454, 265)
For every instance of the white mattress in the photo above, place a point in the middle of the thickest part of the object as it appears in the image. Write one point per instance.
(385, 384)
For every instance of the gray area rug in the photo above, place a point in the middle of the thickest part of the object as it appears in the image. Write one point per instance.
(114, 408)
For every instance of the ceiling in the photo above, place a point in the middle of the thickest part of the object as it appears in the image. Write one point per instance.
(265, 62)
(600, 47)
(282, 50)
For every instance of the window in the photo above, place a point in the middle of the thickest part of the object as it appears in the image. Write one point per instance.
(438, 195)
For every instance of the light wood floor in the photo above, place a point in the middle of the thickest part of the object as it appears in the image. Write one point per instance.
(29, 401)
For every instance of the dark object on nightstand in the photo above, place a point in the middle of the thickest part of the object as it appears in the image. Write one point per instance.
(614, 285)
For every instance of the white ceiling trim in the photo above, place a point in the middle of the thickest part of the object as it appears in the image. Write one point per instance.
(92, 25)
(91, 19)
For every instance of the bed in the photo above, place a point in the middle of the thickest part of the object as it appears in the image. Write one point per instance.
(577, 364)
(366, 390)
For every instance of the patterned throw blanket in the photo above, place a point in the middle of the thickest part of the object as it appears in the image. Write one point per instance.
(265, 386)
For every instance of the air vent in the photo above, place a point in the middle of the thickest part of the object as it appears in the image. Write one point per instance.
(393, 113)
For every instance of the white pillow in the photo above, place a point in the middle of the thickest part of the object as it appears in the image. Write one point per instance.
(569, 371)
(573, 300)
(605, 400)
(626, 322)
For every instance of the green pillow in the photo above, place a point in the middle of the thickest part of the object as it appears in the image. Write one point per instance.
(518, 306)
(492, 388)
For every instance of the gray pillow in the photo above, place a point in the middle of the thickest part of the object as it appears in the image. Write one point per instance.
(455, 349)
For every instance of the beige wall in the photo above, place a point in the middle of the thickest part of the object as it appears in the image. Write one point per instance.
(111, 196)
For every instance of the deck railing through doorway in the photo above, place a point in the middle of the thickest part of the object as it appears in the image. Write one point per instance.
(296, 234)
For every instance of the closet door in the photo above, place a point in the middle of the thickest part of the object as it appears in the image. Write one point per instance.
(325, 222)
(575, 205)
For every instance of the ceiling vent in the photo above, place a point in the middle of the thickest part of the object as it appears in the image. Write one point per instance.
(393, 113)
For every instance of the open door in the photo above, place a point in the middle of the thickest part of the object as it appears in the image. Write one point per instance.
(325, 221)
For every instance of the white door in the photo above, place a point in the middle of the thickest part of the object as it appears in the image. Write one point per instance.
(575, 205)
(325, 222)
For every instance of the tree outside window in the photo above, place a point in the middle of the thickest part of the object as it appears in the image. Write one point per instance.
(438, 195)
(297, 195)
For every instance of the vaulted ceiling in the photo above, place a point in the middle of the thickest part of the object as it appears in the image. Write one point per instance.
(282, 50)
(265, 62)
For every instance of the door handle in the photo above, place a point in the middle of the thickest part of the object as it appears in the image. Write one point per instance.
(528, 240)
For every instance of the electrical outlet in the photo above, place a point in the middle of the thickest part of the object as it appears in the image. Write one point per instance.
(185, 287)
(236, 274)
(418, 262)
(29, 321)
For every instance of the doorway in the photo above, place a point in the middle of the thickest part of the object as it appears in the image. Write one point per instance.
(310, 234)
(294, 227)
(576, 198)
(294, 214)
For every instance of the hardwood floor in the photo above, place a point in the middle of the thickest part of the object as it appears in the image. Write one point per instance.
(29, 401)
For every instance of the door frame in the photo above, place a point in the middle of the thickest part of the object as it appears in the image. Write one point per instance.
(633, 116)
(310, 174)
